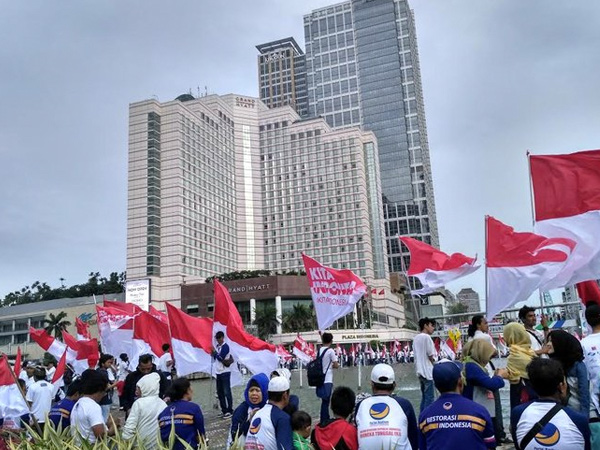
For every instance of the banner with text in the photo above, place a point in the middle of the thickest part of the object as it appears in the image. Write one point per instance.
(334, 292)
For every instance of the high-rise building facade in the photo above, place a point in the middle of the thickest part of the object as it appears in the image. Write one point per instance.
(222, 183)
(362, 69)
(282, 75)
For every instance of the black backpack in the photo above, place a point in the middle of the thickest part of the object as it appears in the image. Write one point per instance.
(314, 371)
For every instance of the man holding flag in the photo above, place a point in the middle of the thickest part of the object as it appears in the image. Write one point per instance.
(223, 360)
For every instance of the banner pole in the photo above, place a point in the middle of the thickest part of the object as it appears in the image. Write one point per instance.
(300, 371)
(359, 375)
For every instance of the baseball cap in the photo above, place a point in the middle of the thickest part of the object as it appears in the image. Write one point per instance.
(446, 374)
(282, 372)
(383, 374)
(279, 384)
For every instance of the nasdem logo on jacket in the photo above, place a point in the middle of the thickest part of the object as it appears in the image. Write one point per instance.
(548, 436)
(379, 411)
(254, 426)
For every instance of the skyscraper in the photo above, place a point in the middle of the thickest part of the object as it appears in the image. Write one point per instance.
(220, 184)
(362, 68)
(282, 75)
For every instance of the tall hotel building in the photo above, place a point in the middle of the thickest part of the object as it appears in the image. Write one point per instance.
(222, 183)
(362, 69)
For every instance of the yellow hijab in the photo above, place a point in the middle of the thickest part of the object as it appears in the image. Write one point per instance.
(521, 354)
(479, 351)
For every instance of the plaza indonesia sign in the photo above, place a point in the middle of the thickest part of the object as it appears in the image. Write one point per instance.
(334, 292)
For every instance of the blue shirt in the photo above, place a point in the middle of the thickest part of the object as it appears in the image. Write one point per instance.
(455, 422)
(188, 421)
(60, 414)
(567, 430)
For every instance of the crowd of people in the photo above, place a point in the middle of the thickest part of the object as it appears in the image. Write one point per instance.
(554, 384)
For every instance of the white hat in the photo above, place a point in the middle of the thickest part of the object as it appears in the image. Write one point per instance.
(279, 384)
(283, 372)
(383, 374)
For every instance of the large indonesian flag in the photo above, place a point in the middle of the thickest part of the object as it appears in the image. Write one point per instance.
(57, 378)
(519, 263)
(302, 350)
(191, 341)
(149, 335)
(566, 191)
(12, 403)
(255, 354)
(158, 314)
(435, 268)
(86, 353)
(334, 292)
(115, 327)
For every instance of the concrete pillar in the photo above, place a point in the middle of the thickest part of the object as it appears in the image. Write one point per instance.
(252, 310)
(279, 313)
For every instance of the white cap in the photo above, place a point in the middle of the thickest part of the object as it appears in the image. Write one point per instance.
(383, 374)
(279, 384)
(283, 372)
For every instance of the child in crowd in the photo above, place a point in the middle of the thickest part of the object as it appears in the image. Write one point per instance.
(337, 433)
(301, 426)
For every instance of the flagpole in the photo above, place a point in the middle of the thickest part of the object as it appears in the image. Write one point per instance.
(487, 292)
(359, 377)
(532, 204)
(300, 371)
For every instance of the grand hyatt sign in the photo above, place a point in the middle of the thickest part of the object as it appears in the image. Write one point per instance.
(249, 288)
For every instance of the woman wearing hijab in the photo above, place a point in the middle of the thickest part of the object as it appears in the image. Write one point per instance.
(255, 397)
(521, 354)
(142, 423)
(567, 350)
(480, 386)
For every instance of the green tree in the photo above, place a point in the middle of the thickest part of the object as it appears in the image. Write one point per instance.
(301, 318)
(55, 324)
(266, 322)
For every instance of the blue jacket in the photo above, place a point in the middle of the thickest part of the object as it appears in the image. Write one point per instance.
(239, 421)
(477, 376)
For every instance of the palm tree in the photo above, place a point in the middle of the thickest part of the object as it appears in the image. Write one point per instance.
(266, 322)
(55, 324)
(301, 318)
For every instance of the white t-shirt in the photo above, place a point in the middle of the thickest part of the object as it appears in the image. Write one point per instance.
(85, 415)
(424, 348)
(162, 362)
(591, 353)
(328, 359)
(50, 373)
(123, 369)
(481, 335)
(382, 424)
(40, 396)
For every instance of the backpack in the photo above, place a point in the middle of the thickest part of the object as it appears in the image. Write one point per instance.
(314, 371)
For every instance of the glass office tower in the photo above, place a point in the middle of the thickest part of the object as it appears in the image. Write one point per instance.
(363, 69)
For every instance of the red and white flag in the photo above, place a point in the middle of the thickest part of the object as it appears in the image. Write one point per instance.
(588, 291)
(149, 335)
(83, 329)
(566, 192)
(435, 268)
(12, 403)
(257, 355)
(191, 341)
(519, 263)
(115, 327)
(57, 378)
(334, 292)
(446, 347)
(130, 308)
(86, 353)
(158, 314)
(302, 350)
(283, 353)
(52, 345)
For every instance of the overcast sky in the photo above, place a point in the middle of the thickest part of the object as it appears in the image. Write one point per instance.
(499, 78)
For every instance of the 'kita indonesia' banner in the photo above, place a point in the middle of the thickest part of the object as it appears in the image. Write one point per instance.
(334, 292)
